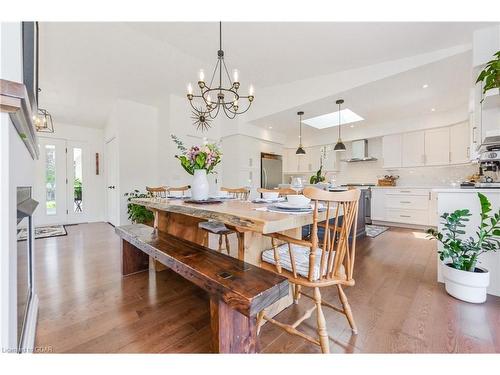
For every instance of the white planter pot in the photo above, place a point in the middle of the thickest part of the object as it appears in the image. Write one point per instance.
(466, 286)
(200, 187)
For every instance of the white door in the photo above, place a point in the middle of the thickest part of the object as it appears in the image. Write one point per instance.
(459, 143)
(112, 182)
(437, 146)
(78, 165)
(413, 149)
(391, 150)
(50, 182)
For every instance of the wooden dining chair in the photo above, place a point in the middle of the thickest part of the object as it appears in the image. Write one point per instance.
(219, 228)
(282, 191)
(318, 264)
(157, 192)
(238, 193)
(182, 189)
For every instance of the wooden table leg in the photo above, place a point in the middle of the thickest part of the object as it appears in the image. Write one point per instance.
(133, 259)
(241, 245)
(232, 332)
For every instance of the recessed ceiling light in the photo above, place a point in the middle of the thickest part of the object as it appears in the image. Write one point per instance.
(352, 126)
(433, 109)
(270, 127)
(425, 85)
(332, 119)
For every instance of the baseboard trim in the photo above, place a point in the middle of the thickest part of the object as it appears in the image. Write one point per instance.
(402, 225)
(29, 332)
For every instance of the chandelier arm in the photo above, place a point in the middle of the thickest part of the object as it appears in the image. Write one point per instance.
(216, 113)
(241, 112)
(233, 114)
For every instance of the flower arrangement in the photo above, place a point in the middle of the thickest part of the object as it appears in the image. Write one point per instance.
(204, 157)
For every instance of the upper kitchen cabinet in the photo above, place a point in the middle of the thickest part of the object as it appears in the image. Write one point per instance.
(391, 150)
(437, 146)
(459, 143)
(413, 149)
(331, 162)
(313, 159)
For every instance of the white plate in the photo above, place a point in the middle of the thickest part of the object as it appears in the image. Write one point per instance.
(289, 206)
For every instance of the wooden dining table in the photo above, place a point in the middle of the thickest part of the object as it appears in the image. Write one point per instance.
(249, 220)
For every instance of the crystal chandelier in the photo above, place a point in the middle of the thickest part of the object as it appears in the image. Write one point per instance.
(214, 98)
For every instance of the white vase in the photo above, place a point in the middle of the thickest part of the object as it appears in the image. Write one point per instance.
(199, 187)
(465, 285)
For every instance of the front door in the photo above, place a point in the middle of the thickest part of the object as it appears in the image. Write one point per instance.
(61, 181)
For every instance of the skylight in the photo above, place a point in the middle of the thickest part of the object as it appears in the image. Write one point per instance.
(332, 119)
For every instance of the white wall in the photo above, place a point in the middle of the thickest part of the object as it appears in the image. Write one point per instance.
(94, 185)
(135, 127)
(16, 169)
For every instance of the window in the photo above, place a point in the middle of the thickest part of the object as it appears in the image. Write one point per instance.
(50, 179)
(77, 181)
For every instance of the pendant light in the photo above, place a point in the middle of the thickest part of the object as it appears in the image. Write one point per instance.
(339, 146)
(300, 150)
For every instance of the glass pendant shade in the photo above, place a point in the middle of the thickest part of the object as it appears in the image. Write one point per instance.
(339, 146)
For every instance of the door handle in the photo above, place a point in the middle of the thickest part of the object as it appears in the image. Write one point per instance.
(111, 187)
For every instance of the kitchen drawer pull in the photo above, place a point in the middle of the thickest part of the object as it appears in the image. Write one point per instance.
(404, 215)
(405, 202)
(405, 191)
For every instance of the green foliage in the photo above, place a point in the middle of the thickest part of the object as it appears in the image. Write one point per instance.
(77, 188)
(490, 75)
(317, 177)
(136, 213)
(464, 252)
(206, 157)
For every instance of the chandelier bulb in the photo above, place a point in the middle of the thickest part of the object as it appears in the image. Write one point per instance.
(190, 89)
(202, 75)
(236, 75)
(251, 91)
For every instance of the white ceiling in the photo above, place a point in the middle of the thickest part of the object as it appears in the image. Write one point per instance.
(387, 100)
(85, 66)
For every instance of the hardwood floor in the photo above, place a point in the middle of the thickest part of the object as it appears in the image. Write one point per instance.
(87, 307)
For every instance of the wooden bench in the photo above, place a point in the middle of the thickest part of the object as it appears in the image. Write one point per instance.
(237, 290)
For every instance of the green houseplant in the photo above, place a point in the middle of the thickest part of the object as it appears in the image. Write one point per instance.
(136, 213)
(490, 75)
(460, 252)
(318, 177)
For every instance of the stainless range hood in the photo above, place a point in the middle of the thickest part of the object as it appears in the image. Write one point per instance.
(359, 151)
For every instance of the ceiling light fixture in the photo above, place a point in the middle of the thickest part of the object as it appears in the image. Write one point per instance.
(43, 121)
(425, 85)
(340, 146)
(300, 150)
(226, 98)
(433, 109)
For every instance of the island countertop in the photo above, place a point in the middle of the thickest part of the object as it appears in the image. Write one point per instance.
(241, 214)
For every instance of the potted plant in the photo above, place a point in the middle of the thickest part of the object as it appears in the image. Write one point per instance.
(198, 161)
(318, 177)
(490, 75)
(136, 213)
(463, 278)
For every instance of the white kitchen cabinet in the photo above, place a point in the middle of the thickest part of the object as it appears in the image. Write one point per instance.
(402, 206)
(378, 204)
(391, 150)
(437, 146)
(331, 163)
(459, 143)
(313, 159)
(413, 149)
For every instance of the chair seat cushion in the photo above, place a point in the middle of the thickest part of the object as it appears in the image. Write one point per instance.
(301, 254)
(214, 227)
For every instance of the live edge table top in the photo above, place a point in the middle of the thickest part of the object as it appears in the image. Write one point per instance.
(236, 213)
